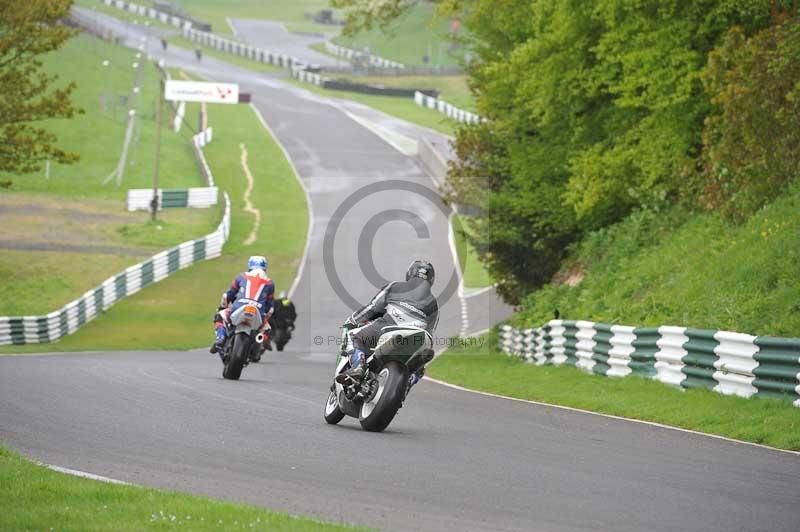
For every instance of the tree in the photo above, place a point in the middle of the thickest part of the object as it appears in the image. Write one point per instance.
(29, 29)
(751, 146)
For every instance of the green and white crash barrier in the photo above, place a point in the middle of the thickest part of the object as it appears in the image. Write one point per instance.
(305, 76)
(451, 111)
(139, 199)
(350, 54)
(241, 49)
(726, 362)
(69, 318)
(149, 12)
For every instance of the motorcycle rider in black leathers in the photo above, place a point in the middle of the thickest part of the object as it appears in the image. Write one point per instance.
(400, 303)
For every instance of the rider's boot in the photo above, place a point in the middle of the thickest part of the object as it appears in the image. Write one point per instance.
(358, 368)
(219, 342)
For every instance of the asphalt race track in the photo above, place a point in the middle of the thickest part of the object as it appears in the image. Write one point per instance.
(451, 460)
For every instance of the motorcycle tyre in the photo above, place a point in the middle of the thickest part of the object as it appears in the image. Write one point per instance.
(333, 414)
(233, 368)
(390, 400)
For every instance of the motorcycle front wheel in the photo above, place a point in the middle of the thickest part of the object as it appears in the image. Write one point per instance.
(376, 414)
(333, 414)
(233, 368)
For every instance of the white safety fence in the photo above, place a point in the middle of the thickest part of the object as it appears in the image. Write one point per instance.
(149, 12)
(351, 54)
(309, 77)
(726, 362)
(139, 199)
(240, 49)
(20, 330)
(451, 111)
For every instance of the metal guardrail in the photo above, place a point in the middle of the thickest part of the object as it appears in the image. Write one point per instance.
(20, 330)
(726, 362)
(451, 111)
(139, 199)
(247, 51)
(351, 54)
(149, 12)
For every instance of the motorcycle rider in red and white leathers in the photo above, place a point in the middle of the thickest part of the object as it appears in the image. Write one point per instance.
(252, 285)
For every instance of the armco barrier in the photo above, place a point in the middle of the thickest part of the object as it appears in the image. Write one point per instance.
(350, 54)
(726, 362)
(149, 12)
(260, 55)
(139, 199)
(66, 320)
(451, 111)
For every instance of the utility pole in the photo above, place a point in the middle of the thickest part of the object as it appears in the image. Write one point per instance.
(154, 201)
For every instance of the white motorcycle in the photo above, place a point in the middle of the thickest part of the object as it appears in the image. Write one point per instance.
(375, 400)
(243, 339)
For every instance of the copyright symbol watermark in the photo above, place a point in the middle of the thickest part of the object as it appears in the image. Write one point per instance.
(318, 340)
(404, 192)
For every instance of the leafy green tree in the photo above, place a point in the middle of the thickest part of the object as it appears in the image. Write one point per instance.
(27, 30)
(752, 140)
(594, 108)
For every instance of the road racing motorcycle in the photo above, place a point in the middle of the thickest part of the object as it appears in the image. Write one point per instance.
(243, 339)
(375, 400)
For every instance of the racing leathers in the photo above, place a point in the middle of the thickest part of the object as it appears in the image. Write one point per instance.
(408, 303)
(253, 285)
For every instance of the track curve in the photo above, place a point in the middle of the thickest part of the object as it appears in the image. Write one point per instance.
(451, 460)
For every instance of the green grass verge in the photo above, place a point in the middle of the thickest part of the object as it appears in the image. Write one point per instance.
(58, 277)
(475, 274)
(98, 134)
(291, 12)
(674, 268)
(418, 33)
(73, 206)
(176, 313)
(766, 421)
(403, 108)
(38, 498)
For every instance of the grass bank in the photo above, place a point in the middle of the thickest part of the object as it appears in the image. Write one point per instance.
(676, 268)
(766, 421)
(176, 313)
(475, 274)
(290, 12)
(41, 499)
(71, 230)
(407, 40)
(105, 77)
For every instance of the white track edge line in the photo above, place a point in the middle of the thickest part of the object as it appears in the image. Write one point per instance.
(84, 474)
(480, 291)
(232, 27)
(304, 259)
(611, 416)
(451, 240)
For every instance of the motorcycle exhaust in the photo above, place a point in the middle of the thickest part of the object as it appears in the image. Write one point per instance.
(260, 338)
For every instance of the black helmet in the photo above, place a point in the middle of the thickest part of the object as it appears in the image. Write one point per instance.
(422, 269)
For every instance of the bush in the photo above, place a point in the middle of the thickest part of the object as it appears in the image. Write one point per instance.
(752, 140)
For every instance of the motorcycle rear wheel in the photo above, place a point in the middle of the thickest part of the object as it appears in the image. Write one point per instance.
(376, 415)
(233, 369)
